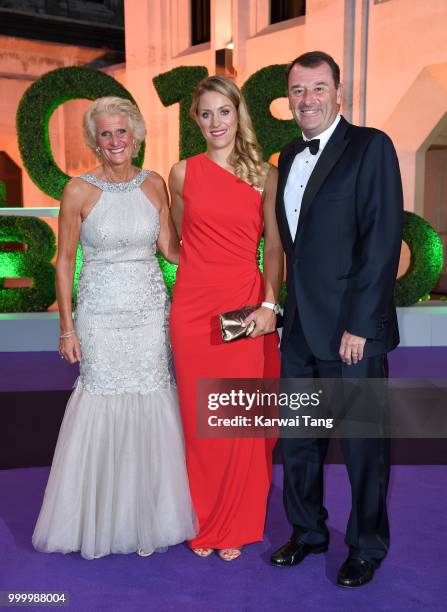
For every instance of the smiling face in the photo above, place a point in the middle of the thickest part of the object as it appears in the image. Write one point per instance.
(313, 98)
(218, 119)
(114, 138)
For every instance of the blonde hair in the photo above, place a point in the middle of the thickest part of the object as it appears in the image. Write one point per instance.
(246, 157)
(113, 105)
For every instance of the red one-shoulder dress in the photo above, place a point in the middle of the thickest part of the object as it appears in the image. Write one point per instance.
(221, 229)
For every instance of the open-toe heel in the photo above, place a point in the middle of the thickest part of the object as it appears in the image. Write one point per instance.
(230, 554)
(202, 552)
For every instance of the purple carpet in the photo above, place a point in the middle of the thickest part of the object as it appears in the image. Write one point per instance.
(45, 371)
(412, 577)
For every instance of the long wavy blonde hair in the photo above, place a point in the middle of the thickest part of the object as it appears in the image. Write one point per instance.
(246, 157)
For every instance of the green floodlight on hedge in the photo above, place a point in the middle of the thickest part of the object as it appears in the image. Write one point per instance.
(37, 105)
(426, 261)
(33, 263)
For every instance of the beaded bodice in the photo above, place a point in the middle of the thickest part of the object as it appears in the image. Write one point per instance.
(121, 293)
(123, 224)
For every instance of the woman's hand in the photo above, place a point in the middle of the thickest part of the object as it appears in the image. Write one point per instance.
(70, 349)
(265, 321)
(76, 198)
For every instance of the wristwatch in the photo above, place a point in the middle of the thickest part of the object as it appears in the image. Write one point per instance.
(275, 307)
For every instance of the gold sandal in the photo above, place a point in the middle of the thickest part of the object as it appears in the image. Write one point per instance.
(202, 552)
(230, 554)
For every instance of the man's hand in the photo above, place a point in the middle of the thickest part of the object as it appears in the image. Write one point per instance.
(351, 348)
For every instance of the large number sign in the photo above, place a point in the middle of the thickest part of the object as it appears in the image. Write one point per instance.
(33, 263)
(426, 261)
(37, 105)
(173, 87)
(176, 87)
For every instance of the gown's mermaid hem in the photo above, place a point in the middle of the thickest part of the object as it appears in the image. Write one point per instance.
(118, 482)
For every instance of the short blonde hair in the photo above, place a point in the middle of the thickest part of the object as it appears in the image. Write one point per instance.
(112, 105)
(246, 157)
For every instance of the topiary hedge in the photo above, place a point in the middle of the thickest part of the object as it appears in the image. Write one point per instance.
(177, 86)
(37, 105)
(33, 263)
(260, 90)
(426, 261)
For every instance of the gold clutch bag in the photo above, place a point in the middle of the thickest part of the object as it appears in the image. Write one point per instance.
(231, 323)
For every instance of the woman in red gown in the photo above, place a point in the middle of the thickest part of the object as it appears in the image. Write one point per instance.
(222, 201)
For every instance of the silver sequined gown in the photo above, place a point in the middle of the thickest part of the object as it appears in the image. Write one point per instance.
(118, 482)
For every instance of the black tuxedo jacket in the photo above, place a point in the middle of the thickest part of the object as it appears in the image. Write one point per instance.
(342, 265)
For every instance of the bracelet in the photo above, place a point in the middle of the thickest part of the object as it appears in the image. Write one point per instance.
(68, 334)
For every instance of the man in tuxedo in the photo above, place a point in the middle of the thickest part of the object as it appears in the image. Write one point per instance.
(340, 213)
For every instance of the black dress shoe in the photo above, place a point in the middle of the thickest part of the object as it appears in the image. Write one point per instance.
(355, 572)
(293, 553)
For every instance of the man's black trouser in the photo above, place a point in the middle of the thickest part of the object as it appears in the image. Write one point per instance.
(367, 461)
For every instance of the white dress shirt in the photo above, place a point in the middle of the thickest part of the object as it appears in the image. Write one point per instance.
(300, 171)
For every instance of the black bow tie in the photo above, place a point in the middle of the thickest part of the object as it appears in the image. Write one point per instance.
(313, 145)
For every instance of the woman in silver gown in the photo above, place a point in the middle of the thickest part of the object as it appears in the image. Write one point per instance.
(118, 482)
